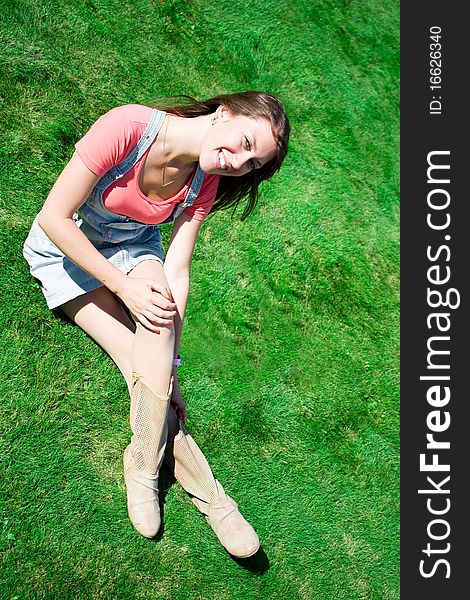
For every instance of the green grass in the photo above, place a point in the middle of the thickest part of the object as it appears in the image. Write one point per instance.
(291, 336)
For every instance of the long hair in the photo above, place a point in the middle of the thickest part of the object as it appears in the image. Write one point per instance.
(256, 105)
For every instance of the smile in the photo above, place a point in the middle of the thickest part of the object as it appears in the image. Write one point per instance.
(221, 160)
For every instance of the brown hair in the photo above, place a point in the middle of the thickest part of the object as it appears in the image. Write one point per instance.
(256, 105)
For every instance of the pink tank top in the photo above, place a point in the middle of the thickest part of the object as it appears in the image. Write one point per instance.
(108, 142)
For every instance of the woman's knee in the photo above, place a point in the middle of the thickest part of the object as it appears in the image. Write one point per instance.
(150, 269)
(164, 337)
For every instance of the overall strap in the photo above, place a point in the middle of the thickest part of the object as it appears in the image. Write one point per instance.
(195, 188)
(152, 129)
(191, 195)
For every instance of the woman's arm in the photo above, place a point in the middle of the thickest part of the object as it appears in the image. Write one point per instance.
(72, 188)
(69, 192)
(177, 266)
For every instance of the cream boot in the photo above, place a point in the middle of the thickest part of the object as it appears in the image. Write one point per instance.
(144, 455)
(194, 474)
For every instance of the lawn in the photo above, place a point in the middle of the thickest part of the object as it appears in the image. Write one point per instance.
(290, 342)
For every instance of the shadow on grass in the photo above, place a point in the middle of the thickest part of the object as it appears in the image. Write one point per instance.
(258, 563)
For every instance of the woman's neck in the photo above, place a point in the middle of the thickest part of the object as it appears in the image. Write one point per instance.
(183, 139)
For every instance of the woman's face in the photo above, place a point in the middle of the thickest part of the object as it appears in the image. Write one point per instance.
(234, 145)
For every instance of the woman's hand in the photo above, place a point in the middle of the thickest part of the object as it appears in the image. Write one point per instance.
(149, 301)
(178, 402)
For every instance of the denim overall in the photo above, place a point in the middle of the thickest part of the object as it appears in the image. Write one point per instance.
(122, 240)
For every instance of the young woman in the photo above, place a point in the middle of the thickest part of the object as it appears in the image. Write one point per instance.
(95, 247)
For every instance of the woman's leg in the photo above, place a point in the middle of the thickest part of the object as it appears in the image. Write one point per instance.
(152, 353)
(193, 472)
(102, 317)
(145, 359)
(151, 363)
(129, 344)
